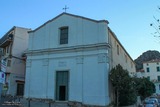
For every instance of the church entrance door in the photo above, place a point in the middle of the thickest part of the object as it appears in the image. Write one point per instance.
(62, 85)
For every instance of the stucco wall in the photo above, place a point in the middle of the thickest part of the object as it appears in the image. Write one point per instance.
(20, 41)
(87, 56)
(88, 76)
(123, 57)
(152, 74)
(15, 64)
(81, 32)
(19, 45)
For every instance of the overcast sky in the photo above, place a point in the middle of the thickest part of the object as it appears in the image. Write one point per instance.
(129, 19)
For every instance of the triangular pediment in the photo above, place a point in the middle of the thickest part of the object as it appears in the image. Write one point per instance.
(71, 15)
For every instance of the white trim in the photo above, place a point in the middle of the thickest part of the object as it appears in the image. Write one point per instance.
(70, 49)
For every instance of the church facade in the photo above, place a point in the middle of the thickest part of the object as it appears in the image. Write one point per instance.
(69, 58)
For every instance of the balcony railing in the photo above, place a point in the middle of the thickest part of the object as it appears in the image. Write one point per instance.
(5, 40)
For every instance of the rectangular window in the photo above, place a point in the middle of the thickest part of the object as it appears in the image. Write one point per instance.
(7, 49)
(148, 77)
(20, 89)
(158, 69)
(9, 63)
(131, 64)
(158, 77)
(4, 51)
(147, 69)
(125, 58)
(159, 86)
(64, 35)
(118, 49)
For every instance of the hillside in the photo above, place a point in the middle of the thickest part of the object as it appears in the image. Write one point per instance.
(146, 56)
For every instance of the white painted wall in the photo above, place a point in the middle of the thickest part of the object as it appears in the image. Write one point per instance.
(85, 57)
(18, 46)
(157, 86)
(87, 77)
(153, 74)
(20, 42)
(123, 57)
(153, 70)
(81, 32)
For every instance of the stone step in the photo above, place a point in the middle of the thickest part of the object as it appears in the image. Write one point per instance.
(60, 104)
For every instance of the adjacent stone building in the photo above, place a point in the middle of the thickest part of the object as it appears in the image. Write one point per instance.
(13, 44)
(69, 58)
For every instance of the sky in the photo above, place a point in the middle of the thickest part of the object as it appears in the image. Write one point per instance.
(129, 19)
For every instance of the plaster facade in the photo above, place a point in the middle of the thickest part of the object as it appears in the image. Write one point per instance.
(13, 45)
(118, 55)
(86, 59)
(151, 70)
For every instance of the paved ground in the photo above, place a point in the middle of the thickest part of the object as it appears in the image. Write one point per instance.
(9, 102)
(22, 102)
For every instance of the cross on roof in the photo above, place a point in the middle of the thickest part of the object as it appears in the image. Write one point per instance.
(65, 8)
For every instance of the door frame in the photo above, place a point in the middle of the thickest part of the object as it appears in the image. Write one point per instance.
(19, 82)
(55, 95)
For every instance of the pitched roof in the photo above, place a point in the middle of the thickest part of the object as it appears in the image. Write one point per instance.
(152, 61)
(64, 13)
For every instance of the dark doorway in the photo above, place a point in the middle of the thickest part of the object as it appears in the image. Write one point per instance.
(20, 89)
(62, 85)
(62, 93)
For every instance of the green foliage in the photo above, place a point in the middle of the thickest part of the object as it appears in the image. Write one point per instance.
(118, 76)
(127, 94)
(124, 86)
(128, 88)
(144, 87)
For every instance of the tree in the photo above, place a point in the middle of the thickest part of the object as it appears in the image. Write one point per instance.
(127, 88)
(156, 25)
(144, 87)
(123, 85)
